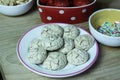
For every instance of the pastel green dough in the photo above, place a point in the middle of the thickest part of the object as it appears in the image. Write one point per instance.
(55, 61)
(84, 42)
(50, 30)
(68, 45)
(77, 57)
(53, 42)
(71, 32)
(34, 45)
(36, 52)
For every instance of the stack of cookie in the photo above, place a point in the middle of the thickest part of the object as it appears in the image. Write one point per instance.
(59, 46)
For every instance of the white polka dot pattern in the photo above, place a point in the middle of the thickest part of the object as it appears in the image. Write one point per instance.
(73, 18)
(84, 10)
(61, 11)
(40, 10)
(49, 18)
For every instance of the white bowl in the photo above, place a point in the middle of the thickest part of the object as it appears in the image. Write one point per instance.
(16, 10)
(69, 70)
(97, 18)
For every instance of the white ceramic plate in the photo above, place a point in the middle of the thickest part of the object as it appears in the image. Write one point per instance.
(69, 70)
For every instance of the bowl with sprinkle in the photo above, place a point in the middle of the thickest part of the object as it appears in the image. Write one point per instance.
(104, 25)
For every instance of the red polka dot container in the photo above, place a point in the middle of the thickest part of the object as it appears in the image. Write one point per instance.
(72, 15)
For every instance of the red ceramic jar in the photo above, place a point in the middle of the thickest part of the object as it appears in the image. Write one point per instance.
(72, 15)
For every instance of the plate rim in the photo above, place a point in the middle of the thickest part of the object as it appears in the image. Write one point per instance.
(54, 75)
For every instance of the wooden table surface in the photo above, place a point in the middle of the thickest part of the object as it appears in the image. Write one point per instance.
(107, 66)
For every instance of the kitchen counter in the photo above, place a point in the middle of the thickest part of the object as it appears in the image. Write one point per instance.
(107, 66)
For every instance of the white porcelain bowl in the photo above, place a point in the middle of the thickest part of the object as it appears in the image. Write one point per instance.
(16, 10)
(97, 18)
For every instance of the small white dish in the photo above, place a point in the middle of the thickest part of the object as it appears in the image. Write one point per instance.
(16, 10)
(69, 70)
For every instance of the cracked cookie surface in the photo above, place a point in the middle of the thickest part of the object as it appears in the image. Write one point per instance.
(36, 53)
(77, 57)
(55, 61)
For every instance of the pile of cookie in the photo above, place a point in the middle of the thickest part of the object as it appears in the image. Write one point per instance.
(58, 46)
(12, 2)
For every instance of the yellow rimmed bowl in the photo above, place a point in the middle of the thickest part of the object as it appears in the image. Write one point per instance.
(97, 19)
